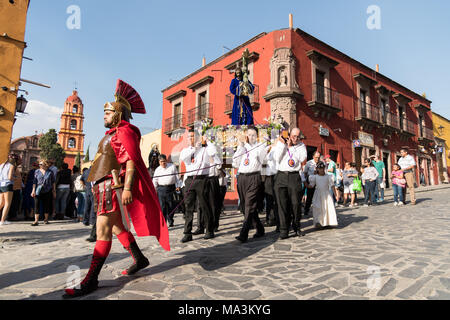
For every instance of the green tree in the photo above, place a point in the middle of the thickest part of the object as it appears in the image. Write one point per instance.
(51, 149)
(86, 157)
(78, 160)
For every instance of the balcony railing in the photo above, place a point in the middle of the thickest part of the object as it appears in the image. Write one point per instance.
(326, 96)
(368, 111)
(254, 100)
(408, 126)
(390, 119)
(173, 123)
(426, 133)
(199, 113)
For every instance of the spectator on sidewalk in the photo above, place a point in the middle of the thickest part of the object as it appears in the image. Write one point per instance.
(63, 185)
(349, 174)
(44, 191)
(80, 193)
(27, 200)
(17, 192)
(331, 171)
(7, 170)
(407, 165)
(398, 184)
(381, 168)
(369, 180)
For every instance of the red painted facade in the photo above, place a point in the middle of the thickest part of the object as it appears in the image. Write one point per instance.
(336, 109)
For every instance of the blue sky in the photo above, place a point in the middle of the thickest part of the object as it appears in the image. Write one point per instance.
(152, 43)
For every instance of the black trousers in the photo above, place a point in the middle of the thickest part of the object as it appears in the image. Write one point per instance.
(90, 215)
(165, 196)
(271, 204)
(15, 204)
(214, 197)
(249, 189)
(288, 188)
(198, 191)
(309, 197)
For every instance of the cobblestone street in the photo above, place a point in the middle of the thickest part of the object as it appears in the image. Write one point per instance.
(380, 252)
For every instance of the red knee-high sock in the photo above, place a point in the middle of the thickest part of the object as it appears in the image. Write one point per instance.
(125, 238)
(102, 248)
(101, 252)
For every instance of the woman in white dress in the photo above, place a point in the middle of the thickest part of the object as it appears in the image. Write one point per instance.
(324, 212)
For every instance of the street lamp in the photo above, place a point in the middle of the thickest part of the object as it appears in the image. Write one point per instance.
(21, 104)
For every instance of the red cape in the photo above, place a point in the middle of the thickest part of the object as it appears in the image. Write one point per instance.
(145, 211)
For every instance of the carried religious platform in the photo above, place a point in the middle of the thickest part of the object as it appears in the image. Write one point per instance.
(343, 107)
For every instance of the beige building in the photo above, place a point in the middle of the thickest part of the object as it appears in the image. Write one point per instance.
(148, 142)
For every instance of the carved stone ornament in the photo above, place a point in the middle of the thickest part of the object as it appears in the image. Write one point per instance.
(283, 90)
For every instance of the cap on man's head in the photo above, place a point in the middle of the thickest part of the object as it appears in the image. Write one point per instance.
(327, 156)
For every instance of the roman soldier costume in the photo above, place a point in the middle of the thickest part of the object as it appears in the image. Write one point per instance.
(120, 145)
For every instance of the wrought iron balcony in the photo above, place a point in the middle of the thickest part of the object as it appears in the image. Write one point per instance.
(254, 100)
(426, 134)
(407, 127)
(368, 112)
(173, 123)
(390, 119)
(199, 113)
(324, 100)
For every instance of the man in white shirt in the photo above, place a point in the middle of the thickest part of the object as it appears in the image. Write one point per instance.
(248, 159)
(308, 171)
(268, 172)
(213, 188)
(407, 165)
(166, 181)
(289, 154)
(196, 157)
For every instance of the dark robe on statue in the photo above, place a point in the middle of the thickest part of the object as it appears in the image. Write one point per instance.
(244, 105)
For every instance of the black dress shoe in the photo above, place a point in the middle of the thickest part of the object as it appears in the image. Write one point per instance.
(284, 236)
(91, 239)
(241, 239)
(300, 233)
(209, 236)
(186, 238)
(258, 235)
(216, 229)
(198, 231)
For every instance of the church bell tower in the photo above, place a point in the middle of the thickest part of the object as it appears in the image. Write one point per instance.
(71, 136)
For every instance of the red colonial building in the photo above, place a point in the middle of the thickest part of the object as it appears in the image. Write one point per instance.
(342, 107)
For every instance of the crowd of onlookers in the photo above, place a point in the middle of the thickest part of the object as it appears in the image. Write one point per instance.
(43, 193)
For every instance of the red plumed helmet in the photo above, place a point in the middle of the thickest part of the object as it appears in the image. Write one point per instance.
(128, 96)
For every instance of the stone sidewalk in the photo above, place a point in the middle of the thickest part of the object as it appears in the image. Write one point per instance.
(380, 252)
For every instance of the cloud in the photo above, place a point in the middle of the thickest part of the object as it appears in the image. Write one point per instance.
(40, 117)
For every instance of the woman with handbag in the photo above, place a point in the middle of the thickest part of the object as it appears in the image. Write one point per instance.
(44, 191)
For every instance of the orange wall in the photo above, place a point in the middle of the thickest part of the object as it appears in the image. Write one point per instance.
(12, 22)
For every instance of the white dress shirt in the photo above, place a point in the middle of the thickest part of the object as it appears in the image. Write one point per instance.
(249, 158)
(297, 153)
(405, 162)
(271, 165)
(166, 176)
(214, 170)
(201, 156)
